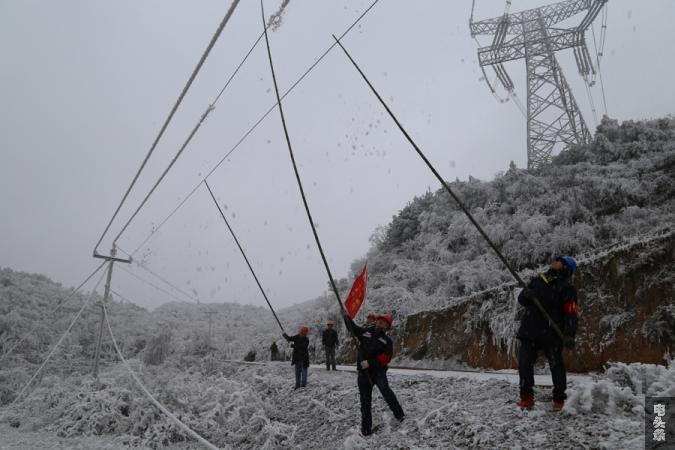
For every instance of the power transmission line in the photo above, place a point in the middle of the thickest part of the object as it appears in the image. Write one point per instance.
(196, 70)
(153, 285)
(145, 267)
(250, 130)
(147, 393)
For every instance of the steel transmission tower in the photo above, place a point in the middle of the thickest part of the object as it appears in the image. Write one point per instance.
(553, 117)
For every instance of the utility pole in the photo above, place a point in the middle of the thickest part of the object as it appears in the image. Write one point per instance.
(106, 295)
(553, 117)
(210, 313)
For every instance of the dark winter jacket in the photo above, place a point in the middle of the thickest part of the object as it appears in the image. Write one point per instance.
(329, 338)
(374, 346)
(559, 299)
(300, 349)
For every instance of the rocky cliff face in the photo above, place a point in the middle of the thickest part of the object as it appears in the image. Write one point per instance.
(627, 299)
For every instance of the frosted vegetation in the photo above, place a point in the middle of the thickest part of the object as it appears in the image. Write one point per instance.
(620, 187)
(254, 407)
(429, 257)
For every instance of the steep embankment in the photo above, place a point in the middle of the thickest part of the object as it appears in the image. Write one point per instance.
(627, 314)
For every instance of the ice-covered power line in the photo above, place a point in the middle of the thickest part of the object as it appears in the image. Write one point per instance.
(331, 280)
(251, 129)
(144, 266)
(151, 284)
(599, 53)
(58, 343)
(196, 70)
(147, 393)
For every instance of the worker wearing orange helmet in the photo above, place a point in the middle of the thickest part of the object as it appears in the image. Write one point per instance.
(375, 352)
(329, 339)
(300, 357)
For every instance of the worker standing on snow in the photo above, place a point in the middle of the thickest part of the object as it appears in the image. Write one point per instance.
(300, 357)
(375, 352)
(274, 352)
(329, 339)
(559, 298)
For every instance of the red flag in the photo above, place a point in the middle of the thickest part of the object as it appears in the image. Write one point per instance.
(358, 293)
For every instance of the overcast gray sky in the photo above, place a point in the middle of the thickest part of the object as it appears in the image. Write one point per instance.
(85, 86)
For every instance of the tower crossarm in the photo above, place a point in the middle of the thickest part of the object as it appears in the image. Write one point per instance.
(552, 15)
(558, 39)
(592, 13)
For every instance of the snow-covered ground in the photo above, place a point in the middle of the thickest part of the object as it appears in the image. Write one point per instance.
(508, 375)
(255, 406)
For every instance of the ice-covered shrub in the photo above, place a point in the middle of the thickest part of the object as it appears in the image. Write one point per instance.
(621, 391)
(157, 349)
(621, 184)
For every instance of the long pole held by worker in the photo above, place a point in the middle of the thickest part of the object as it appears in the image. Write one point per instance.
(482, 232)
(234, 236)
(297, 174)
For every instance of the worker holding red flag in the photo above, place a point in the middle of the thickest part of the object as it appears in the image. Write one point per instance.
(375, 352)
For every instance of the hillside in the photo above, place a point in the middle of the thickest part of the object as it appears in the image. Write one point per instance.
(590, 200)
(610, 203)
(619, 186)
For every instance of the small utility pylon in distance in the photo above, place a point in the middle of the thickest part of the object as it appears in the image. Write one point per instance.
(210, 314)
(106, 296)
(553, 117)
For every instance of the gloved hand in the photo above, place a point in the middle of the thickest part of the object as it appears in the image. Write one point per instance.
(285, 336)
(568, 342)
(364, 364)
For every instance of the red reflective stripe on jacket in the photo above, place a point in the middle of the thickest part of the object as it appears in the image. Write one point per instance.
(383, 359)
(571, 307)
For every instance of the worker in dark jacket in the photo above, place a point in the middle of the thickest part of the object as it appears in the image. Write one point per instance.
(559, 299)
(375, 352)
(274, 352)
(300, 357)
(329, 339)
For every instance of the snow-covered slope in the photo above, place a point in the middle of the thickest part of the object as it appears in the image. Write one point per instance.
(621, 185)
(255, 407)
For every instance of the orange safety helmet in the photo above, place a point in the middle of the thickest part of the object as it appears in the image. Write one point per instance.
(387, 318)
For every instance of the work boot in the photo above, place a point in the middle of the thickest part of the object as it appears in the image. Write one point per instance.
(526, 401)
(558, 405)
(366, 431)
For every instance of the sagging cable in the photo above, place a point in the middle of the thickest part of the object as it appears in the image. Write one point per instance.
(234, 236)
